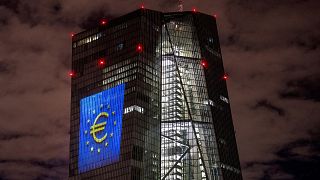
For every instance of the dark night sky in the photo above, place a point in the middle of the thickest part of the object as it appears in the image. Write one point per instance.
(270, 50)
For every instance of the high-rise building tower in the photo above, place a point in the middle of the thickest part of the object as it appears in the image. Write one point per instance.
(149, 100)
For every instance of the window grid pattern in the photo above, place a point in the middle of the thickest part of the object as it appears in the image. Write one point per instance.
(188, 147)
(116, 43)
(222, 119)
(177, 120)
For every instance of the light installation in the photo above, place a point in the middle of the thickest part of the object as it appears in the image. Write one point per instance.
(100, 128)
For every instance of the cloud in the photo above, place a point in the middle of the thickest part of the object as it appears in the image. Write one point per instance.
(297, 160)
(305, 88)
(33, 169)
(269, 106)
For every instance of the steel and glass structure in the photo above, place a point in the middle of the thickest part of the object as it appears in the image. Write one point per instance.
(149, 100)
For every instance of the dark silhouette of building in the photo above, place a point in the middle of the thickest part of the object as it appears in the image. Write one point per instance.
(149, 100)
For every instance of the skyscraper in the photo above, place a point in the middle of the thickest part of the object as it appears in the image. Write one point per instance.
(149, 100)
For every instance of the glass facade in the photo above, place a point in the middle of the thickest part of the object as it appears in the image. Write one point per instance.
(188, 146)
(175, 118)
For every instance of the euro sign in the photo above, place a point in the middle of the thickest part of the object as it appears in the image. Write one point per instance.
(97, 127)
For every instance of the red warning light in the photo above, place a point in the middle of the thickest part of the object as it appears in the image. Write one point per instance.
(71, 73)
(72, 34)
(103, 22)
(102, 62)
(204, 63)
(139, 48)
(194, 10)
(225, 76)
(142, 6)
(215, 16)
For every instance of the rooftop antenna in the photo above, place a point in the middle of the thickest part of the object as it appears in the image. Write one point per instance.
(180, 5)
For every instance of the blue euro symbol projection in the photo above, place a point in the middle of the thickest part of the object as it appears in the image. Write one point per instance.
(100, 128)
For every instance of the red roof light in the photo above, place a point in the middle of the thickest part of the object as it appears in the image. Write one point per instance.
(139, 48)
(142, 6)
(103, 22)
(71, 73)
(102, 62)
(194, 10)
(225, 76)
(204, 63)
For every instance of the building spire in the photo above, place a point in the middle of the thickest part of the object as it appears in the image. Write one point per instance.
(180, 5)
